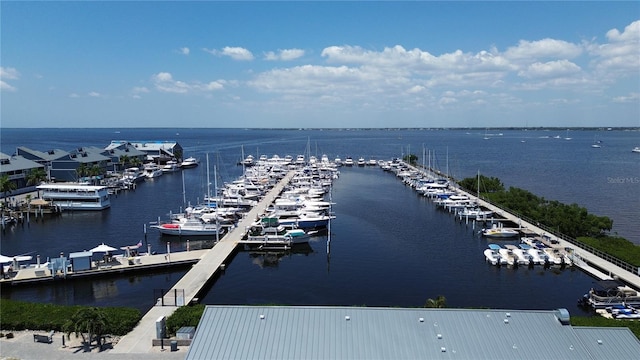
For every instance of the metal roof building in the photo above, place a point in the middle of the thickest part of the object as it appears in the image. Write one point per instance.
(292, 332)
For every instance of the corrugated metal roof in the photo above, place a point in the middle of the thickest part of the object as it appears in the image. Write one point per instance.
(272, 332)
(16, 163)
(614, 343)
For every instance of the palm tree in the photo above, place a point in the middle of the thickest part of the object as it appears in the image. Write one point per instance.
(36, 176)
(6, 186)
(439, 302)
(82, 170)
(91, 321)
(124, 161)
(136, 161)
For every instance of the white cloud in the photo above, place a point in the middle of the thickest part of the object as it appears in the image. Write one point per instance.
(633, 97)
(184, 51)
(6, 87)
(236, 53)
(543, 49)
(94, 94)
(618, 57)
(10, 74)
(74, 95)
(559, 68)
(164, 82)
(285, 55)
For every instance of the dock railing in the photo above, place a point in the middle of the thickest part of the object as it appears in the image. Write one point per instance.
(607, 257)
(612, 259)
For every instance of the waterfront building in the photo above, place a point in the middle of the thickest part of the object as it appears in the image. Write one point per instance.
(323, 332)
(124, 155)
(17, 169)
(156, 151)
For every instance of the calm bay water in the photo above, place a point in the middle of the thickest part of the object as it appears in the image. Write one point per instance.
(389, 246)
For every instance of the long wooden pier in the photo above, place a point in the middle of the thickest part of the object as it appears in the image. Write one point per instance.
(140, 339)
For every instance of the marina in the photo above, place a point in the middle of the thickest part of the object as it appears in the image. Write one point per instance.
(377, 222)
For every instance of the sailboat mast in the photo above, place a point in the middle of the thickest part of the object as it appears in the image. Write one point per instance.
(208, 182)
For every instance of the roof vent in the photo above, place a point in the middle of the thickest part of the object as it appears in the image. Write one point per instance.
(599, 342)
(347, 317)
(506, 321)
(439, 336)
(261, 316)
(563, 316)
(421, 319)
(443, 349)
(508, 314)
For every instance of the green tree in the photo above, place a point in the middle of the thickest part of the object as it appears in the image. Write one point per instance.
(439, 302)
(136, 162)
(36, 176)
(82, 170)
(124, 161)
(411, 159)
(89, 323)
(6, 186)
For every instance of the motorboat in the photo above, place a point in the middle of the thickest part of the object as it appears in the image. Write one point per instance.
(188, 226)
(133, 175)
(506, 257)
(189, 162)
(609, 293)
(303, 219)
(171, 166)
(493, 257)
(348, 161)
(499, 232)
(152, 171)
(475, 213)
(636, 149)
(520, 255)
(248, 161)
(269, 229)
(361, 161)
(538, 256)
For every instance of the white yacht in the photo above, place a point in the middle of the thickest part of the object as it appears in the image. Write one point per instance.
(152, 171)
(76, 196)
(189, 163)
(171, 166)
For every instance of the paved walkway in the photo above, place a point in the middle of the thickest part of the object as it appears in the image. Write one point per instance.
(22, 347)
(139, 340)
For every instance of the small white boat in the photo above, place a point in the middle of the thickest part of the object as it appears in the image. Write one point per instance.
(152, 171)
(171, 166)
(636, 149)
(493, 257)
(499, 232)
(348, 161)
(188, 227)
(269, 230)
(189, 162)
(361, 162)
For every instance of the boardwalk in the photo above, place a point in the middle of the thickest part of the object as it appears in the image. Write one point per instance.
(140, 339)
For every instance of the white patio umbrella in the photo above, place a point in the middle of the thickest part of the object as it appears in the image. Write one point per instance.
(103, 248)
(8, 259)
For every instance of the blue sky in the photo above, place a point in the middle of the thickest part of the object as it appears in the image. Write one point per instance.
(320, 64)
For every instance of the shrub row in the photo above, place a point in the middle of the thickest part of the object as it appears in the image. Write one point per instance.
(20, 315)
(184, 316)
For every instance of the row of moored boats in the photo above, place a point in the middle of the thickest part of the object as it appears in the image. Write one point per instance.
(299, 212)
